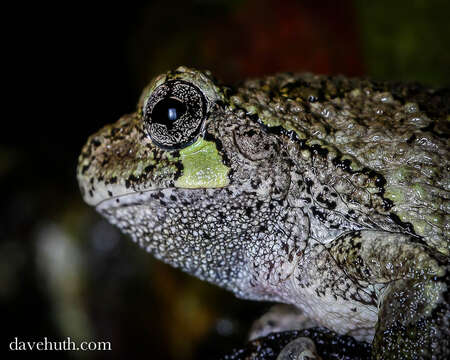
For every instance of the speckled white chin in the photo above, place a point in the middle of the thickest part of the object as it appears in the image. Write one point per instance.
(199, 231)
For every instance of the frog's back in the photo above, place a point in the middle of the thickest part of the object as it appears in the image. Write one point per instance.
(398, 132)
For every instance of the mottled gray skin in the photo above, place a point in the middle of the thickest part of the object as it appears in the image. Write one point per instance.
(327, 193)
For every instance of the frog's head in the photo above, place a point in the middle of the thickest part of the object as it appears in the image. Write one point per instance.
(160, 146)
(184, 174)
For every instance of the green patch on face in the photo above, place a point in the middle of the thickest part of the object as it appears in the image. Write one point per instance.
(202, 167)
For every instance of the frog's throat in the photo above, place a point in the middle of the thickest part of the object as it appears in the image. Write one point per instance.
(195, 230)
(225, 236)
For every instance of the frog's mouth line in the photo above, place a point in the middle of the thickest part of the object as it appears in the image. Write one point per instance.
(128, 199)
(157, 197)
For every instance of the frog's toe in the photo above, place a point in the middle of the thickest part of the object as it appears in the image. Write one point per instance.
(302, 348)
(280, 318)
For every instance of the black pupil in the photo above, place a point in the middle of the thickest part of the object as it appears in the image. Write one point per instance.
(167, 111)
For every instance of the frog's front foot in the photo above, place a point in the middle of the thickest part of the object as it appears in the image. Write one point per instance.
(282, 317)
(302, 348)
(279, 318)
(316, 343)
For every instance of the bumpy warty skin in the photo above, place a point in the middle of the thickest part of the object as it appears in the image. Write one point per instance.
(310, 190)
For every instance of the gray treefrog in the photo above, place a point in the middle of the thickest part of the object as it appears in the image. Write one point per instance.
(326, 193)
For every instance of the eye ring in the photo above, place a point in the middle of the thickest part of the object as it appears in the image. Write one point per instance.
(174, 114)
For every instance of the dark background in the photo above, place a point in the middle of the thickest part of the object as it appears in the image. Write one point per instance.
(69, 69)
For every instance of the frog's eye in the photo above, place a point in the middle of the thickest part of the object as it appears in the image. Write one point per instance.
(174, 114)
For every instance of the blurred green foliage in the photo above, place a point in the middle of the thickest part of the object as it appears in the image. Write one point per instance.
(406, 39)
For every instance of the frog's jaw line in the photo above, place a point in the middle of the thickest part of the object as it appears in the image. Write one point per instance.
(141, 197)
(127, 199)
(111, 193)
